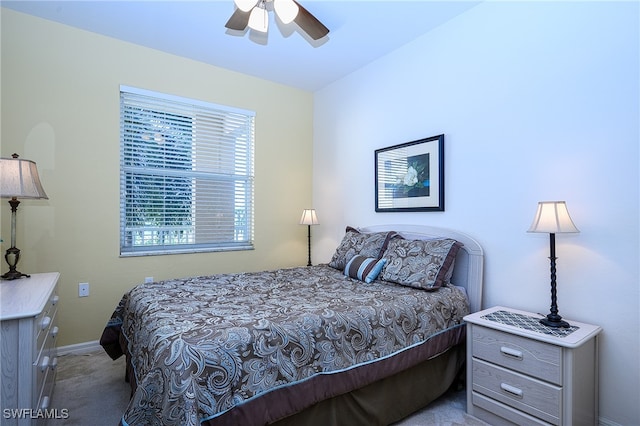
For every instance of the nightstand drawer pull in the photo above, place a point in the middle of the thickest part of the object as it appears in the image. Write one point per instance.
(512, 353)
(512, 390)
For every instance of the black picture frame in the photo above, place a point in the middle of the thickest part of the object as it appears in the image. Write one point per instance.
(409, 177)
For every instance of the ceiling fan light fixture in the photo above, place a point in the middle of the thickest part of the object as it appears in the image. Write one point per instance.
(287, 10)
(245, 5)
(254, 14)
(259, 19)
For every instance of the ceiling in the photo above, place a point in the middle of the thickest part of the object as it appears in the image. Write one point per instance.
(360, 32)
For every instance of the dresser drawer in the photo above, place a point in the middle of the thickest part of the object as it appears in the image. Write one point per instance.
(40, 371)
(42, 326)
(531, 396)
(532, 357)
(44, 323)
(46, 390)
(47, 356)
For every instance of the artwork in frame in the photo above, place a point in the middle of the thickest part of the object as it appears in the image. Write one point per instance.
(410, 177)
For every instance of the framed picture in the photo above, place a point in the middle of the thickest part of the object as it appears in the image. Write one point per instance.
(410, 176)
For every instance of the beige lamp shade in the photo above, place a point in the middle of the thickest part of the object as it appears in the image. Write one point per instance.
(552, 217)
(19, 178)
(309, 217)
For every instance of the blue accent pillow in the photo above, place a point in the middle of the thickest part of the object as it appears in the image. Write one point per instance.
(364, 268)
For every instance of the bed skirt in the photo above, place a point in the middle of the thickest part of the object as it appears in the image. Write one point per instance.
(388, 400)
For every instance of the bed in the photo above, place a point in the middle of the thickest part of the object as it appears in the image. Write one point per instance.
(369, 338)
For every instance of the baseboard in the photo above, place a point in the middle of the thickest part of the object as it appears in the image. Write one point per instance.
(79, 348)
(605, 422)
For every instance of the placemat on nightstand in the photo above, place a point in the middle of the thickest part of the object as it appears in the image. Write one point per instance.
(528, 323)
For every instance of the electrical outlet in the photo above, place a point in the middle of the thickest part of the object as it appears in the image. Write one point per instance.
(148, 279)
(83, 289)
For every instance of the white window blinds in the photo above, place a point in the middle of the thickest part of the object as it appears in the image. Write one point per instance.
(186, 175)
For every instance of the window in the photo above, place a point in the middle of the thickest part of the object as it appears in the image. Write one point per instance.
(186, 175)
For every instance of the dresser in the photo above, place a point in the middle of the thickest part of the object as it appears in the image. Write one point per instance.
(28, 331)
(524, 373)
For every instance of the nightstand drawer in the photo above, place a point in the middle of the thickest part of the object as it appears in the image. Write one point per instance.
(531, 396)
(538, 359)
(498, 414)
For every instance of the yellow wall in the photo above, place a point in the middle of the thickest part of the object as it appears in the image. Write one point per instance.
(60, 108)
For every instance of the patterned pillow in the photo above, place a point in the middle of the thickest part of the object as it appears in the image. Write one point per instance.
(355, 242)
(426, 264)
(364, 268)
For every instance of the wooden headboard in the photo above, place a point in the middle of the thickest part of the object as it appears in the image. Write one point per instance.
(468, 272)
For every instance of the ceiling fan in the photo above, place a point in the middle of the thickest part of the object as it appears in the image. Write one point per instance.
(255, 15)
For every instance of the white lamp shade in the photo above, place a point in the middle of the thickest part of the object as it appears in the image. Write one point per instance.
(259, 19)
(245, 5)
(309, 217)
(19, 178)
(287, 10)
(552, 217)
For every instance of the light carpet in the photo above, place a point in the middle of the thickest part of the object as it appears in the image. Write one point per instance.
(92, 388)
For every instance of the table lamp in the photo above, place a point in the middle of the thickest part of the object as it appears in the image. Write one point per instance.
(309, 218)
(552, 217)
(18, 179)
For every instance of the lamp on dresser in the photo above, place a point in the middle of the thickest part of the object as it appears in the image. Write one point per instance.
(18, 179)
(552, 217)
(309, 218)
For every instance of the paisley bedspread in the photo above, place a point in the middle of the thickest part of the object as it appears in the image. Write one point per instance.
(201, 346)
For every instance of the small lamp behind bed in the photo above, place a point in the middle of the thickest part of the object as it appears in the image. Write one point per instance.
(553, 217)
(309, 218)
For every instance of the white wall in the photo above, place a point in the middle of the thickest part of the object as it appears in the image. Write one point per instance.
(537, 101)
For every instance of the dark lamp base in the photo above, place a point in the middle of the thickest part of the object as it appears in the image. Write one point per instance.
(12, 275)
(12, 256)
(554, 322)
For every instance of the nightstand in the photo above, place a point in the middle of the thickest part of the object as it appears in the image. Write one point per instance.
(525, 373)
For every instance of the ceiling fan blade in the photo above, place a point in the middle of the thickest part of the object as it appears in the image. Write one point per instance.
(238, 21)
(309, 24)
